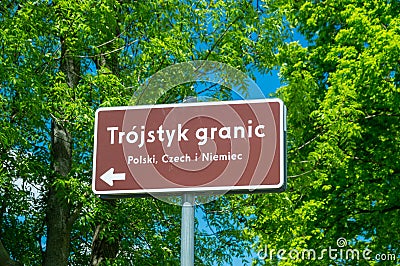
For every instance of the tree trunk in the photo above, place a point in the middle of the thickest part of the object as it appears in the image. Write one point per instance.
(58, 209)
(103, 247)
(58, 216)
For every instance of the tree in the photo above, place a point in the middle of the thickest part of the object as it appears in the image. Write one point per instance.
(342, 93)
(60, 61)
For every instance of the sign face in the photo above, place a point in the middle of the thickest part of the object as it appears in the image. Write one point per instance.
(231, 146)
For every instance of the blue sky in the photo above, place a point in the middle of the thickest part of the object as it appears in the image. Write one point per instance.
(268, 83)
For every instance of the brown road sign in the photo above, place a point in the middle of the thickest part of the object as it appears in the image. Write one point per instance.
(234, 146)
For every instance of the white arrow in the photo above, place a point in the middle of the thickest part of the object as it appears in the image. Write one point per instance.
(109, 177)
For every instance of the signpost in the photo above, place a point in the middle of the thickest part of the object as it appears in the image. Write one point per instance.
(190, 148)
(234, 146)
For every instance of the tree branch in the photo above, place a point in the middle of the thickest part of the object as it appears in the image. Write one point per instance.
(308, 142)
(5, 259)
(393, 208)
(107, 53)
(221, 37)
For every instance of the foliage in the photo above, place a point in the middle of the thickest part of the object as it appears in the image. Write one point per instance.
(342, 94)
(61, 60)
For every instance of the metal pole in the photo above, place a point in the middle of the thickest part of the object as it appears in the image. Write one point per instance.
(187, 230)
(187, 223)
